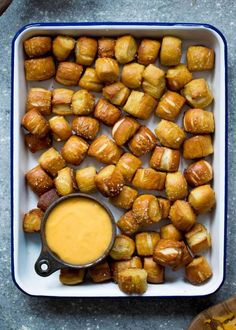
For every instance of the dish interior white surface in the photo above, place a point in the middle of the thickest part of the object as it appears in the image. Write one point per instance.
(26, 247)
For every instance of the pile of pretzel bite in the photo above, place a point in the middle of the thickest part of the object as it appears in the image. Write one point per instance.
(131, 86)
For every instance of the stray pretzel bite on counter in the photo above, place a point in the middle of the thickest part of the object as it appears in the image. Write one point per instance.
(200, 58)
(90, 81)
(118, 266)
(74, 150)
(155, 272)
(123, 248)
(145, 242)
(164, 206)
(100, 273)
(198, 121)
(47, 199)
(146, 209)
(178, 76)
(35, 143)
(142, 142)
(105, 150)
(62, 46)
(60, 128)
(170, 232)
(154, 81)
(132, 75)
(128, 224)
(109, 181)
(176, 186)
(71, 276)
(106, 47)
(168, 252)
(198, 238)
(61, 101)
(140, 105)
(198, 271)
(125, 199)
(38, 180)
(85, 127)
(170, 105)
(32, 221)
(116, 93)
(202, 198)
(198, 173)
(40, 68)
(148, 51)
(51, 161)
(165, 159)
(149, 179)
(125, 49)
(171, 51)
(182, 215)
(170, 134)
(128, 165)
(106, 112)
(124, 129)
(68, 73)
(83, 102)
(197, 146)
(37, 46)
(198, 93)
(65, 182)
(133, 281)
(39, 99)
(35, 123)
(85, 179)
(85, 50)
(107, 69)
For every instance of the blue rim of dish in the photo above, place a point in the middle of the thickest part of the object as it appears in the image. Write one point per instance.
(76, 24)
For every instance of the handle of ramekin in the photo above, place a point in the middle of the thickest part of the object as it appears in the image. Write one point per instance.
(46, 264)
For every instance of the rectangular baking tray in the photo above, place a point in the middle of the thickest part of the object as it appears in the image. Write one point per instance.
(26, 248)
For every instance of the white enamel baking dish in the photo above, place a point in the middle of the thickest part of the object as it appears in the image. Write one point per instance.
(26, 248)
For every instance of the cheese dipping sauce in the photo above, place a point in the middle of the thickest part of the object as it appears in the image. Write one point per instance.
(78, 230)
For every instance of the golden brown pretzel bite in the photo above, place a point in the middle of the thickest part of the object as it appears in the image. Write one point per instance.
(85, 50)
(109, 181)
(40, 68)
(85, 127)
(74, 150)
(106, 47)
(35, 123)
(171, 51)
(68, 73)
(105, 150)
(198, 121)
(38, 46)
(38, 180)
(106, 112)
(142, 142)
(165, 159)
(39, 99)
(90, 81)
(176, 186)
(200, 58)
(148, 51)
(51, 161)
(61, 101)
(62, 46)
(124, 129)
(140, 105)
(125, 49)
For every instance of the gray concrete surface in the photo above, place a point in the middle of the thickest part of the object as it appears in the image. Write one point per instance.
(18, 311)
